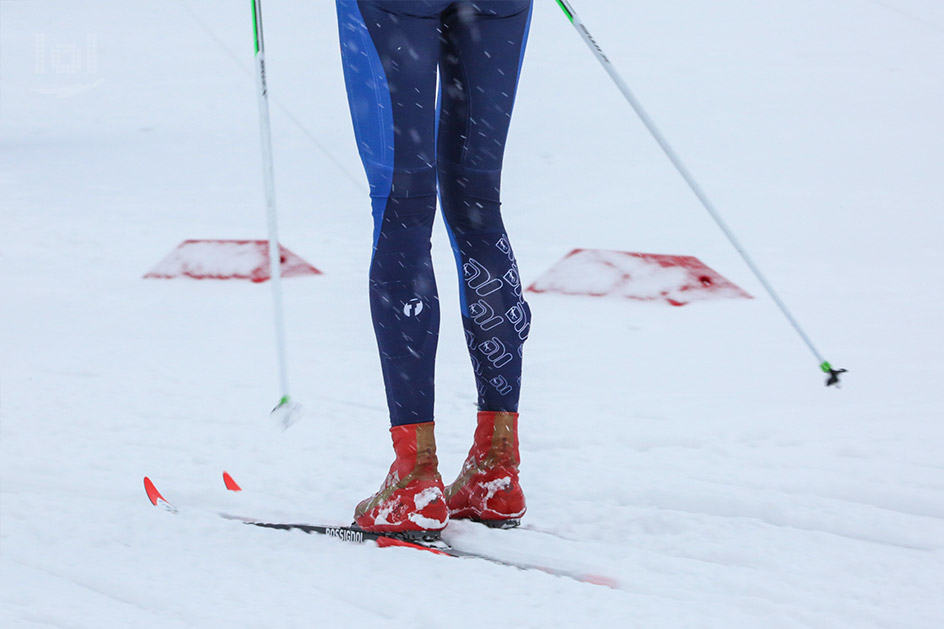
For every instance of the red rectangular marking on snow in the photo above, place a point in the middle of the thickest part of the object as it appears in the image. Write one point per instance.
(677, 280)
(227, 260)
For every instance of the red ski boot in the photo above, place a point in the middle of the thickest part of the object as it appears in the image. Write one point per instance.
(487, 489)
(411, 499)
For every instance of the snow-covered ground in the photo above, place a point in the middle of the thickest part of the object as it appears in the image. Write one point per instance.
(691, 454)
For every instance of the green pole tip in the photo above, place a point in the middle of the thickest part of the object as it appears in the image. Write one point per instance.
(826, 367)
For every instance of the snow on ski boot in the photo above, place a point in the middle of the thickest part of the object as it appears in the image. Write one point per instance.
(487, 489)
(410, 504)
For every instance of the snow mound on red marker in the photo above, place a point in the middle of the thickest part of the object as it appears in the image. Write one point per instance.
(227, 259)
(677, 280)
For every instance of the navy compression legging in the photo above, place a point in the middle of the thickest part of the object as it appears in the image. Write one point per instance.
(413, 145)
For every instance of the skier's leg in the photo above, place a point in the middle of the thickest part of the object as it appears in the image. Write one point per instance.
(390, 52)
(482, 51)
(390, 72)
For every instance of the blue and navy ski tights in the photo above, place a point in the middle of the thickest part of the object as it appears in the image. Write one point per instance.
(416, 141)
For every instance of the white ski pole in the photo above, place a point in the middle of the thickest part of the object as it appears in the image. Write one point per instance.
(286, 412)
(695, 187)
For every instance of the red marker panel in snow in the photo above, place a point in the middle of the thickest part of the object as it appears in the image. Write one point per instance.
(227, 260)
(677, 280)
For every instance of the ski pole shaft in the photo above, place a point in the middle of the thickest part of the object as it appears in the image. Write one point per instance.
(268, 176)
(692, 183)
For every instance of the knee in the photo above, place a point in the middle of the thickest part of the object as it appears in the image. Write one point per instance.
(412, 183)
(471, 198)
(407, 207)
(401, 182)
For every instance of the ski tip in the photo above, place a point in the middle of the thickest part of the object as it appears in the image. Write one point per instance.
(152, 493)
(230, 483)
(155, 496)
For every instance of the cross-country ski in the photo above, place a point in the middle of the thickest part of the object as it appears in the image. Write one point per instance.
(353, 534)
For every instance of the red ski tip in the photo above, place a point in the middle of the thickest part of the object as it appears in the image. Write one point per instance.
(155, 496)
(230, 483)
(152, 492)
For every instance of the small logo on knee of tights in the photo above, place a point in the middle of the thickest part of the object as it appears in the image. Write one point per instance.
(413, 307)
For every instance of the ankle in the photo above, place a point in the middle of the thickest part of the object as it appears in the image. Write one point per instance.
(496, 439)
